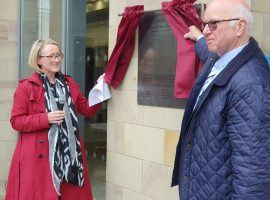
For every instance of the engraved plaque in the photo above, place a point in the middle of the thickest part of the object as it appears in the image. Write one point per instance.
(157, 61)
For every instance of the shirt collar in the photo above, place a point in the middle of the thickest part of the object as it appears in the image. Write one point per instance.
(227, 57)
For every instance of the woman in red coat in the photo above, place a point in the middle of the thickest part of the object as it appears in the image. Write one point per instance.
(49, 160)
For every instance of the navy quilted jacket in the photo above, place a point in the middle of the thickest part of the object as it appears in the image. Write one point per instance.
(224, 148)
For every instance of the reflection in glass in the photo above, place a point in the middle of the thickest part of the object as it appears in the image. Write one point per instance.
(39, 19)
(97, 26)
(157, 61)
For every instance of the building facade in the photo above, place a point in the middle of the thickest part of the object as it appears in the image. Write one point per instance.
(141, 140)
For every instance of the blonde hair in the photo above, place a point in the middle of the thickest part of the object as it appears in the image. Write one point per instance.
(35, 52)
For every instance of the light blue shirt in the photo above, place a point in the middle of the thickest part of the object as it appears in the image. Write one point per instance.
(220, 64)
(223, 61)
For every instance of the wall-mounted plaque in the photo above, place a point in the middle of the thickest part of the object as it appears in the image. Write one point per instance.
(157, 61)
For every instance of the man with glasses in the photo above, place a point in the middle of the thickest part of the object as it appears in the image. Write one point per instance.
(224, 148)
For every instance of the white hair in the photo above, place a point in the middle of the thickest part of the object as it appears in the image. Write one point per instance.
(243, 12)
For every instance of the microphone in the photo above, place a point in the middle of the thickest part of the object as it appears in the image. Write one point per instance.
(62, 100)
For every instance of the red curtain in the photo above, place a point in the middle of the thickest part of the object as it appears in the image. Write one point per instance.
(181, 14)
(124, 47)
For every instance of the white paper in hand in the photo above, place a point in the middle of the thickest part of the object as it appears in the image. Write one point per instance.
(99, 93)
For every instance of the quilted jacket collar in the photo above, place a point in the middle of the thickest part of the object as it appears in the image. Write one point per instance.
(233, 66)
(249, 50)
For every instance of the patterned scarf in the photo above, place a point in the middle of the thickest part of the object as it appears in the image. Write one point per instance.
(64, 145)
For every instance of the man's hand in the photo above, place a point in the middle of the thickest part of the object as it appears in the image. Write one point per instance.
(193, 34)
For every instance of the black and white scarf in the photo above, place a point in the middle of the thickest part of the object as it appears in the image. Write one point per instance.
(64, 146)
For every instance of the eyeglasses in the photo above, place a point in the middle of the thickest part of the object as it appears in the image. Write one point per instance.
(213, 24)
(53, 57)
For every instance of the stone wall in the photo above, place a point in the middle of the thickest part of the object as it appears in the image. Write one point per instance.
(8, 81)
(142, 139)
(261, 27)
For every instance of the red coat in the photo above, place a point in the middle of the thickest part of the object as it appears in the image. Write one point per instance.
(29, 175)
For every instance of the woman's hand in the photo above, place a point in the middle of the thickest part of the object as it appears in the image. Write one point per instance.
(56, 117)
(101, 77)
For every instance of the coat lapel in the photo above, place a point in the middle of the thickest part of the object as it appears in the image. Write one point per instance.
(233, 66)
(74, 89)
(196, 90)
(37, 92)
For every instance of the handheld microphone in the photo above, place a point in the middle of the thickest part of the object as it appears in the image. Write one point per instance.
(62, 100)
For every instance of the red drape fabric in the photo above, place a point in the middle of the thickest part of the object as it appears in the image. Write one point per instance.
(181, 14)
(124, 47)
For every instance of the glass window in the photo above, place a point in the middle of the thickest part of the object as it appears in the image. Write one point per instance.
(38, 19)
(97, 32)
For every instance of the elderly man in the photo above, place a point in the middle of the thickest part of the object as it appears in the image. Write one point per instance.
(224, 148)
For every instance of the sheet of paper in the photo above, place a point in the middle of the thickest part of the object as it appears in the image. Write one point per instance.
(99, 93)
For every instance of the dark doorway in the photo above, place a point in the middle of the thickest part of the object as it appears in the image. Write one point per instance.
(96, 57)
